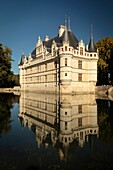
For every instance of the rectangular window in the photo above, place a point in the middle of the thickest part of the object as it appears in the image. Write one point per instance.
(55, 77)
(79, 121)
(65, 48)
(37, 78)
(45, 117)
(40, 79)
(45, 106)
(79, 108)
(37, 68)
(65, 139)
(65, 125)
(45, 67)
(65, 74)
(80, 77)
(37, 104)
(65, 61)
(45, 78)
(55, 65)
(79, 64)
(81, 51)
(81, 135)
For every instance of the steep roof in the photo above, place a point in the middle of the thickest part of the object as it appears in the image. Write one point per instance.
(57, 39)
(33, 54)
(73, 41)
(22, 58)
(67, 34)
(91, 47)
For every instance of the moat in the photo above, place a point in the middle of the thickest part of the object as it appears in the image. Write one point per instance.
(52, 132)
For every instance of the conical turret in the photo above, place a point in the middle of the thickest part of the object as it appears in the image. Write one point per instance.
(22, 58)
(69, 28)
(66, 37)
(91, 47)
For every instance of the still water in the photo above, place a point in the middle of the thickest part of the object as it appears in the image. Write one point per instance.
(51, 132)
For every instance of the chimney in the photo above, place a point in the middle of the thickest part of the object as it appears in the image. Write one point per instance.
(61, 30)
(46, 38)
(87, 47)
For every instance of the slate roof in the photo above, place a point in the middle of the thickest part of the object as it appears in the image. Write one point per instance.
(73, 41)
(33, 54)
(22, 59)
(67, 35)
(91, 47)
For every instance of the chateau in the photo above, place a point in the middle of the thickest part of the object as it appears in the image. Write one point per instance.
(61, 64)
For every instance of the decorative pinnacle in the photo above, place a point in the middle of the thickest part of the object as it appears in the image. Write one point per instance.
(91, 30)
(69, 29)
(22, 52)
(65, 22)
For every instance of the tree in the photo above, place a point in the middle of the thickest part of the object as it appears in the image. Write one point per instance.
(15, 80)
(5, 66)
(105, 62)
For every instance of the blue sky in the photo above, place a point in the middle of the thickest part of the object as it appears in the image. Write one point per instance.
(22, 21)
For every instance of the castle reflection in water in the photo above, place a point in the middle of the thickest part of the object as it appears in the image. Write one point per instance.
(60, 121)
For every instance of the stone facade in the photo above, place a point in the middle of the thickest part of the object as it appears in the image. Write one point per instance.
(60, 65)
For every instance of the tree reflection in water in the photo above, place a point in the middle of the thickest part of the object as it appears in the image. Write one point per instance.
(6, 103)
(105, 120)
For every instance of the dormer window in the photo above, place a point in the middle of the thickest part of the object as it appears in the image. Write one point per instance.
(81, 51)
